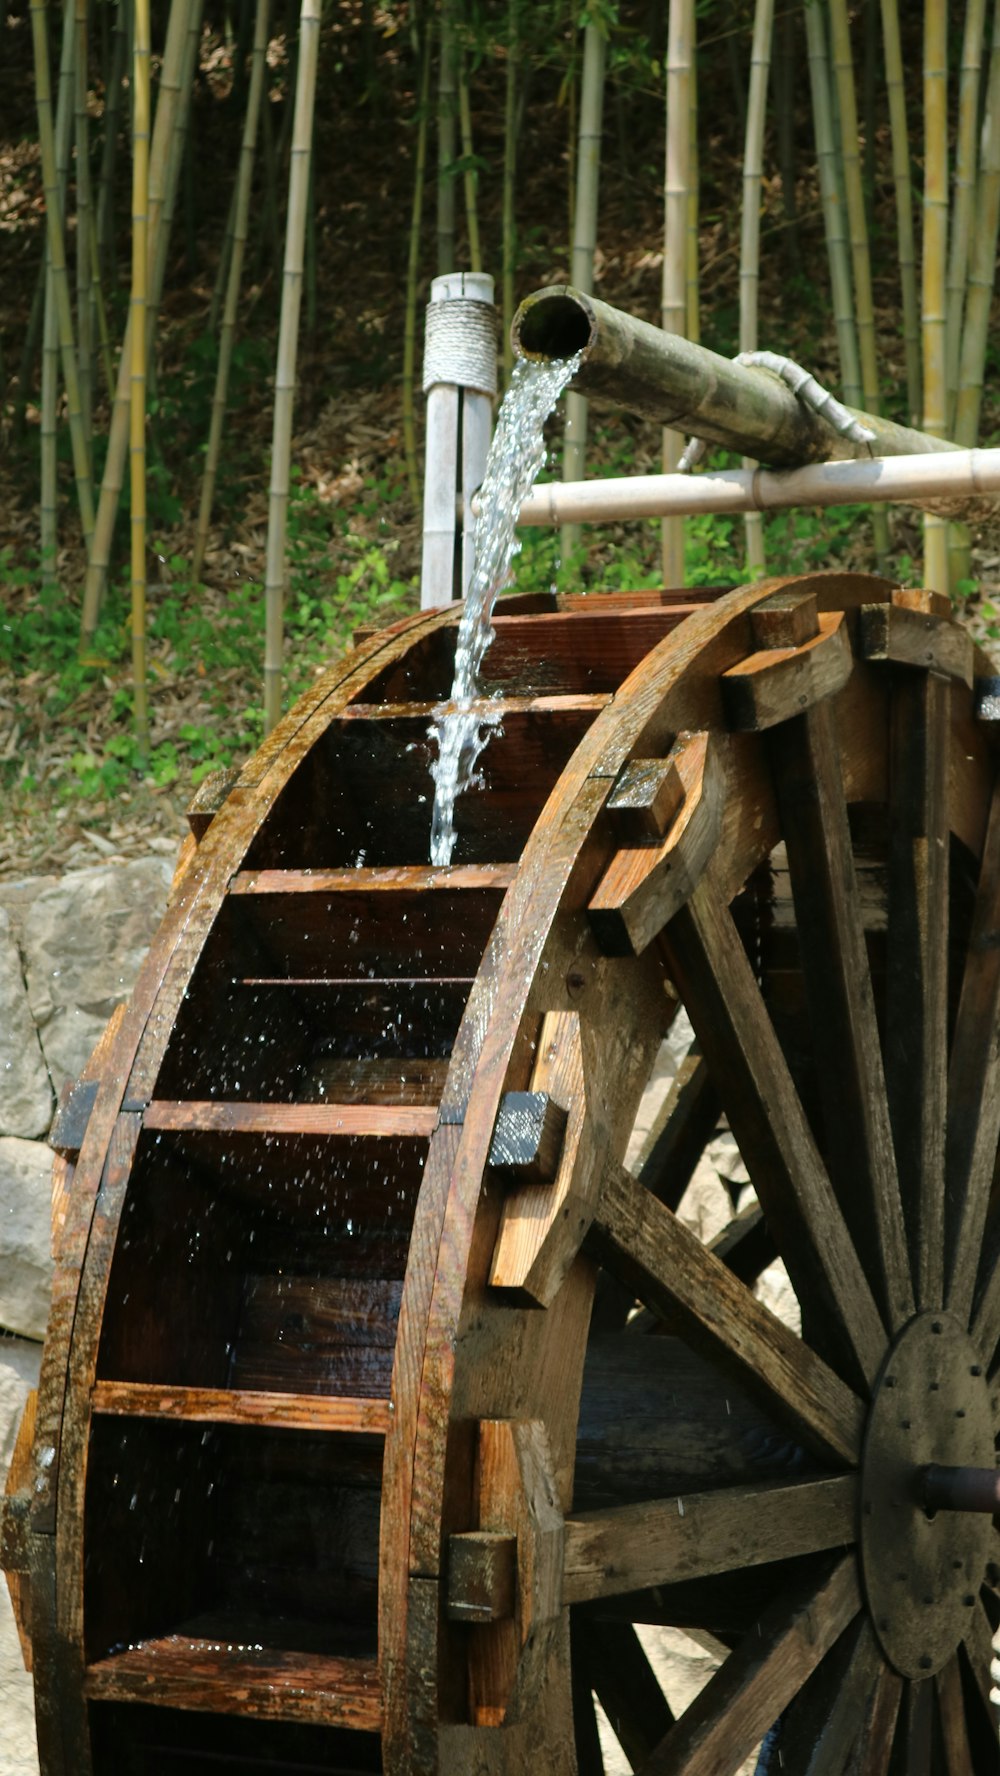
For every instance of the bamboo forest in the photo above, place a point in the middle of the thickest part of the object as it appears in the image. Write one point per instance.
(220, 220)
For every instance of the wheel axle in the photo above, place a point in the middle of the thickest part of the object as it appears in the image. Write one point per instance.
(960, 1489)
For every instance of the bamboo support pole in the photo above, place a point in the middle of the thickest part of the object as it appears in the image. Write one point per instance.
(244, 182)
(509, 223)
(970, 80)
(753, 175)
(288, 333)
(60, 278)
(99, 554)
(833, 213)
(413, 274)
(84, 223)
(954, 483)
(935, 254)
(630, 365)
(676, 182)
(903, 186)
(843, 63)
(588, 173)
(137, 366)
(982, 266)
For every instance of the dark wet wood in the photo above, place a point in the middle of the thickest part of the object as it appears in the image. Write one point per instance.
(177, 1672)
(482, 1576)
(528, 1138)
(974, 1084)
(675, 1274)
(917, 983)
(805, 760)
(951, 1719)
(709, 963)
(737, 1706)
(586, 648)
(823, 1724)
(672, 1540)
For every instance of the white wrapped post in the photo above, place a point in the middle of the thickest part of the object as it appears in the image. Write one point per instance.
(460, 382)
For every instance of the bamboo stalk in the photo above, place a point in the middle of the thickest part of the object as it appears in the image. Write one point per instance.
(446, 108)
(954, 482)
(244, 183)
(413, 273)
(588, 173)
(48, 438)
(784, 101)
(288, 332)
(833, 213)
(221, 284)
(935, 254)
(691, 276)
(753, 174)
(165, 168)
(84, 223)
(843, 62)
(60, 279)
(676, 183)
(99, 554)
(470, 177)
(982, 269)
(137, 367)
(509, 226)
(903, 186)
(109, 151)
(965, 188)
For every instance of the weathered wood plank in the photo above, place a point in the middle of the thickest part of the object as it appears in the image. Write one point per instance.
(951, 1715)
(776, 683)
(675, 1274)
(917, 638)
(670, 1540)
(420, 878)
(737, 1706)
(873, 1749)
(710, 965)
(178, 1672)
(805, 761)
(273, 1411)
(591, 646)
(916, 1052)
(974, 1083)
(350, 1121)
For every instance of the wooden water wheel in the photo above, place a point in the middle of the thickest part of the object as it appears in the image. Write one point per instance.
(387, 1418)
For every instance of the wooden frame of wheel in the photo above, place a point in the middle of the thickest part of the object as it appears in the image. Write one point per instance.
(384, 1410)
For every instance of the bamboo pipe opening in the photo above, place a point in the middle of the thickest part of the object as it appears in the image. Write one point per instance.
(554, 323)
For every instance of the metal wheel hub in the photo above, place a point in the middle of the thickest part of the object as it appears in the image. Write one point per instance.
(923, 1570)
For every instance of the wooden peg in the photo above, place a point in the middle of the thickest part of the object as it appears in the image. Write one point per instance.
(482, 1576)
(785, 620)
(646, 800)
(528, 1137)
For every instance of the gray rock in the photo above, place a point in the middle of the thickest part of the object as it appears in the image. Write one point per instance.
(25, 1235)
(25, 1090)
(83, 939)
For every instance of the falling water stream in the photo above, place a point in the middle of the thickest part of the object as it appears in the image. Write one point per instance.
(515, 458)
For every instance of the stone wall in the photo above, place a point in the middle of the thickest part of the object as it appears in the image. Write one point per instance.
(70, 948)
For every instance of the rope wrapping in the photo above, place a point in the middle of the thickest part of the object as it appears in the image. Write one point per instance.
(460, 344)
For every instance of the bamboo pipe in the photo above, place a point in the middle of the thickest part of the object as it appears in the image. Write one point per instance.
(956, 484)
(628, 364)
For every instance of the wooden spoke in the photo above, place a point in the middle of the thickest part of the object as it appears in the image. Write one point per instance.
(670, 1540)
(873, 1747)
(805, 761)
(974, 1082)
(821, 1727)
(917, 983)
(914, 1747)
(951, 1718)
(975, 1658)
(617, 1669)
(589, 1757)
(708, 961)
(745, 1246)
(758, 1680)
(674, 1274)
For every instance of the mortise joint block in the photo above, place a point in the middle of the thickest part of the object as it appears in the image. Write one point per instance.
(528, 1137)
